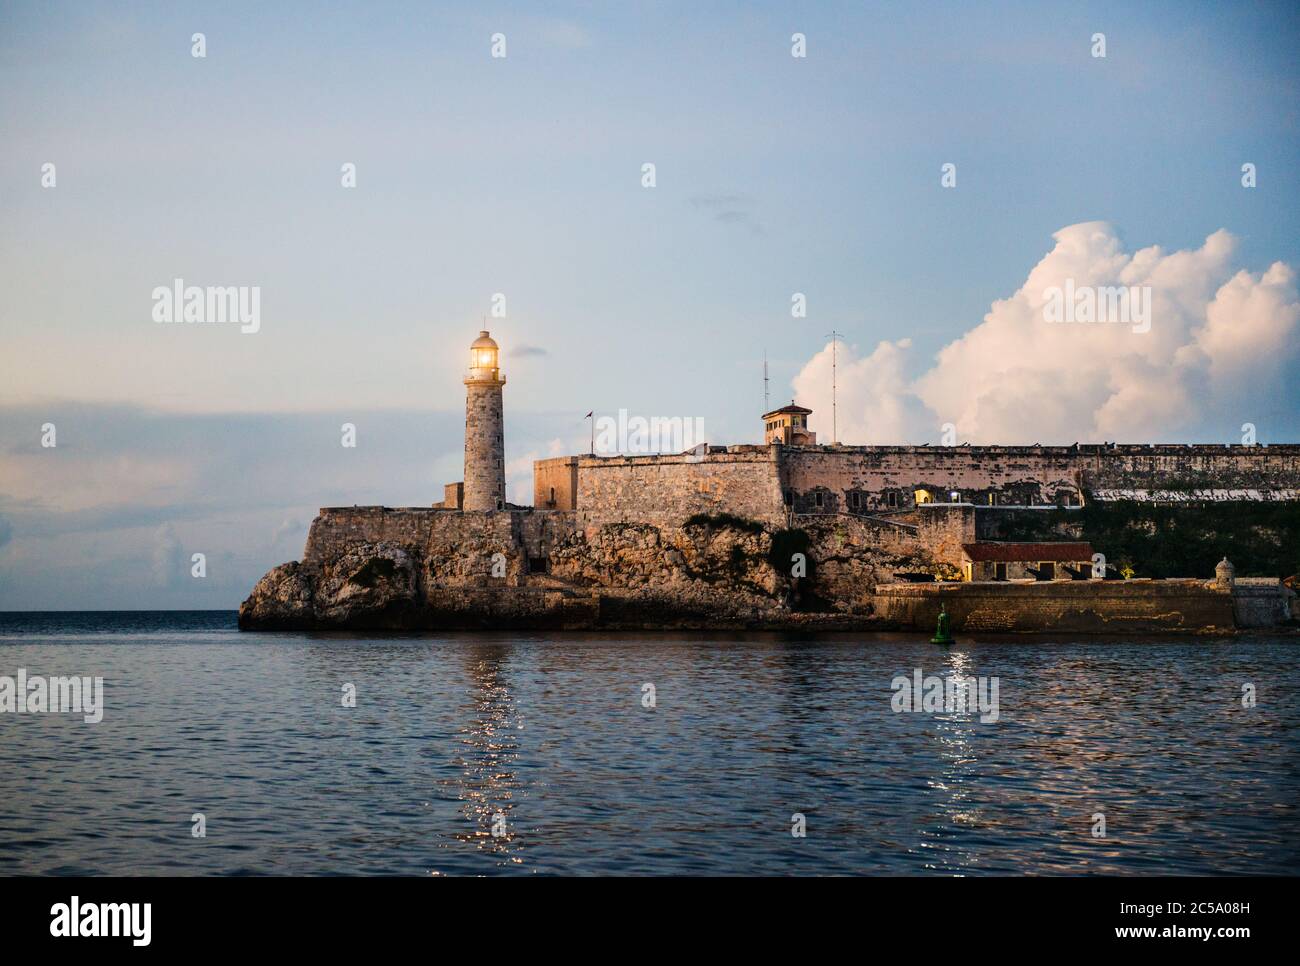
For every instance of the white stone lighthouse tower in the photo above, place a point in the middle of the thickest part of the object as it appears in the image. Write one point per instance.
(485, 447)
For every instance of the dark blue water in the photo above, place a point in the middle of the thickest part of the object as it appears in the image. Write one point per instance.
(549, 731)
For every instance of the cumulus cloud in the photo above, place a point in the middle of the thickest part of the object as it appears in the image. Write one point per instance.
(876, 402)
(1217, 354)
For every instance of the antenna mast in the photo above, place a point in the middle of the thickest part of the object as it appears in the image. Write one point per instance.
(767, 397)
(834, 337)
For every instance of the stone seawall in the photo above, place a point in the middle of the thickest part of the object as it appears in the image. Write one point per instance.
(1082, 606)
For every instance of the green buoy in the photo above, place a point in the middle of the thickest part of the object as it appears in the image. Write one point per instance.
(941, 632)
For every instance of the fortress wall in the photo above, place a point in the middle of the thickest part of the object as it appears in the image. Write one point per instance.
(941, 531)
(1018, 474)
(456, 547)
(1076, 606)
(753, 481)
(336, 529)
(1261, 602)
(1253, 472)
(462, 548)
(666, 490)
(555, 483)
(1029, 475)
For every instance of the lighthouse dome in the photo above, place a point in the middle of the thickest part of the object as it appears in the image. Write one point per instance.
(484, 357)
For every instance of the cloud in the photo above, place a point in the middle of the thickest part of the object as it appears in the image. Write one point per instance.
(875, 401)
(291, 531)
(526, 351)
(1217, 354)
(110, 518)
(728, 209)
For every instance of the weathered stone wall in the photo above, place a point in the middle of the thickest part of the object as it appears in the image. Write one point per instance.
(665, 490)
(887, 477)
(1091, 607)
(1261, 602)
(485, 469)
(336, 529)
(941, 531)
(555, 483)
(455, 549)
(453, 497)
(875, 479)
(1036, 475)
(1208, 473)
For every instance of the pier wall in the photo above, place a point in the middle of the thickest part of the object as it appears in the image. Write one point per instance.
(1088, 607)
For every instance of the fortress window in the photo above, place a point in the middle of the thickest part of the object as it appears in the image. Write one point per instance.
(789, 497)
(1000, 571)
(853, 499)
(552, 495)
(819, 498)
(1047, 570)
(893, 498)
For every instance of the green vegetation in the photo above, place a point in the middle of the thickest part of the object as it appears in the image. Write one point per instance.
(1175, 540)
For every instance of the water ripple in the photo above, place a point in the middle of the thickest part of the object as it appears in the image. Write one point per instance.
(508, 754)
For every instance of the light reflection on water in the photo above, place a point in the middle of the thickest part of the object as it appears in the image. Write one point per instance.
(548, 731)
(489, 748)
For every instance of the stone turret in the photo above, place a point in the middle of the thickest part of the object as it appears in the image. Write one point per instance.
(1224, 574)
(485, 470)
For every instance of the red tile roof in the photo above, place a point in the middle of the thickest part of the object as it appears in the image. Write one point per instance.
(792, 408)
(1070, 552)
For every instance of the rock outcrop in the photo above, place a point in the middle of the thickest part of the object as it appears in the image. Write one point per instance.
(371, 567)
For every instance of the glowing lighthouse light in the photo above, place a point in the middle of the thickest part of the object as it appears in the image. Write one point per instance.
(483, 353)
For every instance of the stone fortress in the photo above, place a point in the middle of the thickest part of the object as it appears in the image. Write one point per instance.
(787, 533)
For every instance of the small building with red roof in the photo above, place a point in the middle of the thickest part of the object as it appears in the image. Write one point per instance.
(990, 560)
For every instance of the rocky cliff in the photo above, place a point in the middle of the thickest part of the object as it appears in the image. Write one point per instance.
(372, 567)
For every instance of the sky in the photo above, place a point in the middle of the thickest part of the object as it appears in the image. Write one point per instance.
(522, 176)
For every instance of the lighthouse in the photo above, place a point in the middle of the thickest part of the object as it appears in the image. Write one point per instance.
(485, 448)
